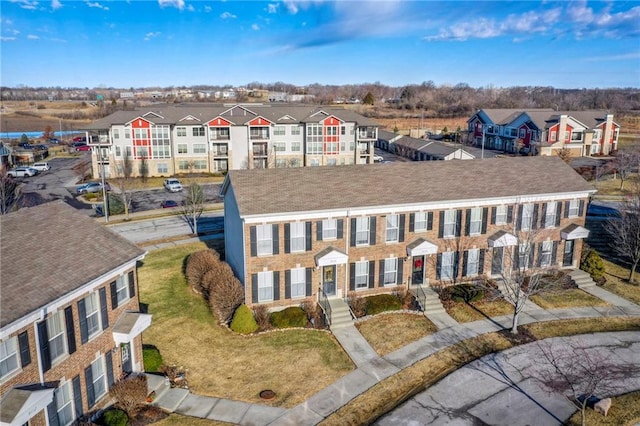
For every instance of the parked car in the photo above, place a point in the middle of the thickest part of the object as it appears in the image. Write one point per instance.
(378, 158)
(83, 148)
(41, 147)
(80, 139)
(92, 187)
(172, 185)
(168, 204)
(41, 167)
(22, 172)
(54, 140)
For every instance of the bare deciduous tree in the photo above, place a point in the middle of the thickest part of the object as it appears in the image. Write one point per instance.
(143, 169)
(579, 372)
(625, 163)
(625, 231)
(81, 169)
(564, 154)
(193, 205)
(125, 181)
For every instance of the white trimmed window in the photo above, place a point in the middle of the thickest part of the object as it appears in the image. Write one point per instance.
(279, 131)
(362, 231)
(473, 261)
(199, 148)
(118, 151)
(501, 215)
(197, 131)
(92, 307)
(181, 131)
(420, 222)
(523, 256)
(116, 134)
(392, 228)
(298, 282)
(200, 164)
(449, 229)
(55, 331)
(64, 402)
(279, 146)
(527, 217)
(545, 253)
(127, 133)
(362, 275)
(265, 286)
(297, 236)
(573, 208)
(550, 215)
(295, 130)
(446, 266)
(182, 148)
(329, 229)
(122, 289)
(390, 271)
(264, 238)
(295, 146)
(162, 168)
(99, 378)
(8, 356)
(475, 225)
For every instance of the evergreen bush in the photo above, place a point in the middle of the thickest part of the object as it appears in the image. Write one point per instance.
(243, 321)
(466, 293)
(290, 317)
(381, 303)
(592, 264)
(115, 418)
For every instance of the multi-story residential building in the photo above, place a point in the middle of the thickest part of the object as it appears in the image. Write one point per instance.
(175, 139)
(544, 131)
(418, 149)
(69, 317)
(293, 233)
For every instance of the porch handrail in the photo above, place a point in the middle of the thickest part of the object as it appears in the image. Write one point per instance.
(323, 300)
(421, 295)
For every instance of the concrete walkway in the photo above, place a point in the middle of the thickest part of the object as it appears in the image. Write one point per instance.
(371, 369)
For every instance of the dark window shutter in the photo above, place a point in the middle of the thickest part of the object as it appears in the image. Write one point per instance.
(114, 295)
(307, 227)
(456, 264)
(52, 412)
(485, 213)
(381, 273)
(254, 241)
(534, 220)
(319, 230)
(88, 378)
(82, 319)
(353, 232)
(509, 214)
(441, 225)
(309, 289)
(275, 236)
(132, 284)
(581, 208)
(429, 221)
(71, 333)
(566, 208)
(77, 396)
(276, 285)
(109, 363)
(553, 253)
(43, 340)
(438, 265)
(465, 258)
(543, 216)
(558, 212)
(494, 212)
(287, 238)
(254, 288)
(372, 231)
(516, 257)
(287, 284)
(340, 226)
(467, 225)
(539, 262)
(458, 222)
(372, 274)
(352, 276)
(519, 221)
(532, 251)
(401, 225)
(102, 292)
(400, 271)
(481, 262)
(412, 222)
(25, 353)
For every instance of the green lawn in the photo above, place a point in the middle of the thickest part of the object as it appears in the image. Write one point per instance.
(566, 298)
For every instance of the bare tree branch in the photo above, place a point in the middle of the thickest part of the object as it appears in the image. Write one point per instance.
(193, 205)
(625, 231)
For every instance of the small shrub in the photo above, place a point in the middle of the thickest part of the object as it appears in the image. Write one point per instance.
(197, 265)
(289, 317)
(382, 303)
(312, 310)
(115, 418)
(261, 314)
(243, 321)
(151, 358)
(592, 264)
(130, 394)
(224, 290)
(116, 206)
(406, 298)
(466, 293)
(358, 305)
(91, 196)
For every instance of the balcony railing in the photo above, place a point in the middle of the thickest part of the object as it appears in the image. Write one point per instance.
(259, 151)
(219, 137)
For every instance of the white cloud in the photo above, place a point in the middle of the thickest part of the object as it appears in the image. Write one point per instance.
(97, 5)
(207, 9)
(150, 35)
(178, 4)
(27, 4)
(227, 15)
(7, 38)
(620, 57)
(190, 8)
(272, 8)
(56, 4)
(33, 37)
(255, 27)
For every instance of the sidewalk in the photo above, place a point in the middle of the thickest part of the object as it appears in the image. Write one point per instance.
(372, 369)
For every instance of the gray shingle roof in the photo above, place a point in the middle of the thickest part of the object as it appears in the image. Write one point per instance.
(278, 191)
(50, 250)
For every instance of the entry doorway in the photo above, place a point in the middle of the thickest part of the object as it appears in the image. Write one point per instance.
(125, 350)
(417, 270)
(329, 280)
(567, 256)
(497, 261)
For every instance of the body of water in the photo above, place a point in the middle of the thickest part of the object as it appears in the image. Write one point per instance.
(33, 135)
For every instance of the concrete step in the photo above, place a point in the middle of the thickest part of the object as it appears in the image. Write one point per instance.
(158, 384)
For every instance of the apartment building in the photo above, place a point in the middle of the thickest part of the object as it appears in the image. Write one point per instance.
(293, 233)
(69, 315)
(167, 140)
(418, 149)
(544, 131)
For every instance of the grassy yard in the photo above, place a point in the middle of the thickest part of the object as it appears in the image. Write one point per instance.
(625, 411)
(178, 420)
(294, 363)
(388, 332)
(566, 298)
(610, 186)
(475, 311)
(543, 330)
(617, 282)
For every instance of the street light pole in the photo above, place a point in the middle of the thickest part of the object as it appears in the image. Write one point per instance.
(482, 142)
(105, 202)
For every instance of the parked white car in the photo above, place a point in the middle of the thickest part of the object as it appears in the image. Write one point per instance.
(173, 185)
(41, 167)
(378, 158)
(22, 172)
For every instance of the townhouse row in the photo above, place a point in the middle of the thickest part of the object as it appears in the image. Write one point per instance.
(544, 131)
(202, 138)
(293, 234)
(70, 325)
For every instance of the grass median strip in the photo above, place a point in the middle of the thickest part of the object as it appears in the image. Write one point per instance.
(566, 298)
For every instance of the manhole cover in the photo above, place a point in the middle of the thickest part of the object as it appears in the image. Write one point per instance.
(267, 394)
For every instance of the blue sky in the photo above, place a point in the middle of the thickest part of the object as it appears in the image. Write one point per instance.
(139, 43)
